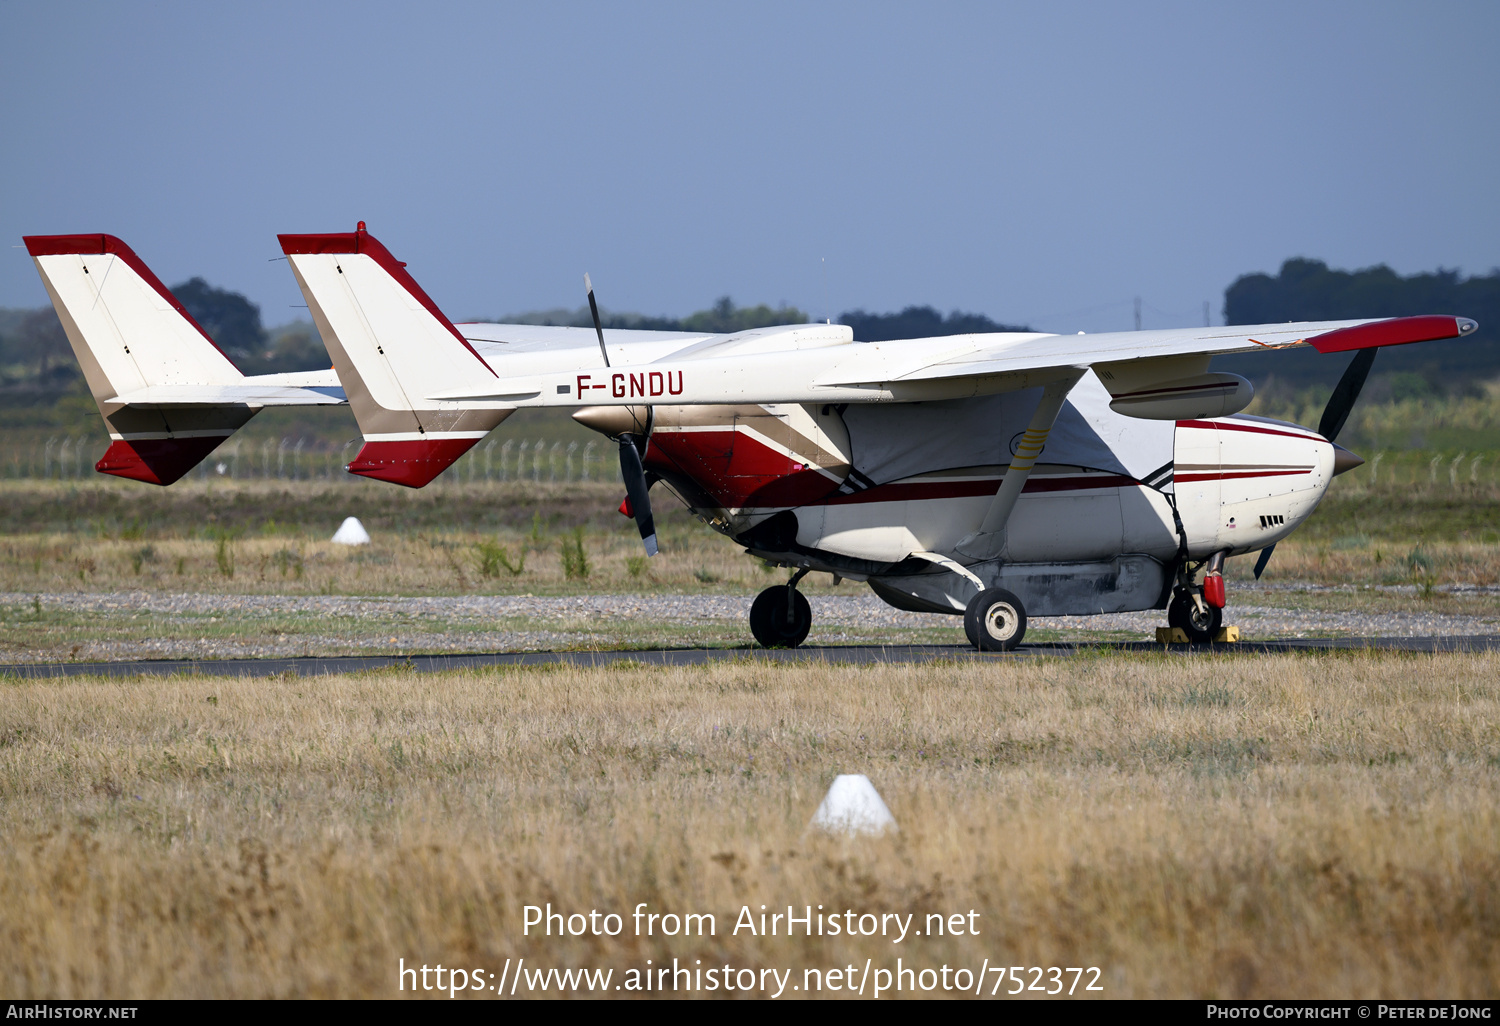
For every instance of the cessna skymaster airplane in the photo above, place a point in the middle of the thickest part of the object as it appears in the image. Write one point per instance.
(988, 476)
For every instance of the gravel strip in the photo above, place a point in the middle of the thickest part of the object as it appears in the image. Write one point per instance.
(457, 623)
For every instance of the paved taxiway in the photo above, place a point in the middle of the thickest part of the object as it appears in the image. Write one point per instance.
(856, 654)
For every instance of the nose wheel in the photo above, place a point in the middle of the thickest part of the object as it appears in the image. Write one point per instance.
(1199, 621)
(780, 616)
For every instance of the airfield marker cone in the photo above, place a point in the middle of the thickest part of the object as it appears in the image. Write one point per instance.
(853, 806)
(351, 532)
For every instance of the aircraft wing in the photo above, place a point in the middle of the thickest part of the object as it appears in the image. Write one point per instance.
(1022, 353)
(1131, 363)
(409, 357)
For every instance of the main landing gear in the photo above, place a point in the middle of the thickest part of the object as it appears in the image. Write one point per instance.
(995, 620)
(780, 616)
(1198, 610)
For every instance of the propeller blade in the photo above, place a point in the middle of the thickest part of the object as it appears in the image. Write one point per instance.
(1345, 393)
(636, 494)
(1265, 557)
(594, 309)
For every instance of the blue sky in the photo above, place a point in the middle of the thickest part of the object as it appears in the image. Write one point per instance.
(1042, 163)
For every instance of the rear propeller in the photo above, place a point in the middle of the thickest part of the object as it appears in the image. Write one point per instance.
(1335, 415)
(637, 496)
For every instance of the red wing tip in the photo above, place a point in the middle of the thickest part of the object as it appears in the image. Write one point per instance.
(1396, 331)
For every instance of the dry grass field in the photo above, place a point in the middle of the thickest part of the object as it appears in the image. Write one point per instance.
(268, 537)
(273, 538)
(1319, 826)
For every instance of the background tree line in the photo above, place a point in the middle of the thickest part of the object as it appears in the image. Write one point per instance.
(1308, 290)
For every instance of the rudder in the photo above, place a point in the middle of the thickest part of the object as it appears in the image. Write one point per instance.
(392, 347)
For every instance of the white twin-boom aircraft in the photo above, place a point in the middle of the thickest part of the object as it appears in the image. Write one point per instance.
(991, 476)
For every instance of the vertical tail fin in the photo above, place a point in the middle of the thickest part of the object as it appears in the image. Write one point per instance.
(392, 347)
(130, 333)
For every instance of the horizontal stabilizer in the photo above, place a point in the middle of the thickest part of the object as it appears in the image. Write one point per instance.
(248, 394)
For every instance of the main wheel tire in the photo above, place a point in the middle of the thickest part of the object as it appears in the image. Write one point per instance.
(995, 620)
(769, 622)
(1201, 626)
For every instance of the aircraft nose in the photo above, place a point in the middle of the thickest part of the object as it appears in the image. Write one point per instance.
(1344, 460)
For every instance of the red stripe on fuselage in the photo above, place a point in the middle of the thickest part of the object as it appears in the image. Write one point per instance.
(916, 491)
(1255, 429)
(1222, 476)
(738, 471)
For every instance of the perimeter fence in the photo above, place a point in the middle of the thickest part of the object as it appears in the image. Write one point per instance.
(72, 458)
(66, 458)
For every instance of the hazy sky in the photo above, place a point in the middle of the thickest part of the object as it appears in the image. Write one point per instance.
(1042, 163)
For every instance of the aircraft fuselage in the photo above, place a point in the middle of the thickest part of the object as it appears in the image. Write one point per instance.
(828, 488)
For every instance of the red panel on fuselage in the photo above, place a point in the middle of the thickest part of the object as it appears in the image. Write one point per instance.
(737, 470)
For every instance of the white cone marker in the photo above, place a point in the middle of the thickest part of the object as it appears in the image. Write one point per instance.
(853, 806)
(351, 532)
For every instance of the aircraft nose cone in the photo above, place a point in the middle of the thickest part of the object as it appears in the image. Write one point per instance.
(615, 420)
(1343, 459)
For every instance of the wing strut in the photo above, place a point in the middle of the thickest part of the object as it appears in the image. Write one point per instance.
(987, 542)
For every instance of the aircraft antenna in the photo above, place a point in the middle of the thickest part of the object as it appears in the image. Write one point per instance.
(594, 309)
(827, 313)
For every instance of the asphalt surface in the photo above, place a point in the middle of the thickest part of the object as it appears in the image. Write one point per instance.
(838, 654)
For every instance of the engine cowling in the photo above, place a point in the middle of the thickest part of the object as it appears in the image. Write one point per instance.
(1243, 483)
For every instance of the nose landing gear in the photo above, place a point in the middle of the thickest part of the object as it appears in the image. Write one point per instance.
(780, 616)
(1198, 610)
